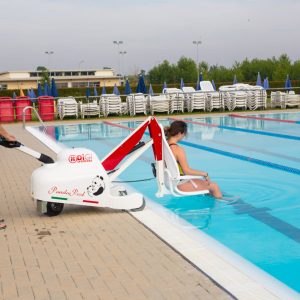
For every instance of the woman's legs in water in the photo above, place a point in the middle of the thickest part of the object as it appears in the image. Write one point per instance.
(200, 185)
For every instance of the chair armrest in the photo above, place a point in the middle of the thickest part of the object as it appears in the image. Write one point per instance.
(190, 177)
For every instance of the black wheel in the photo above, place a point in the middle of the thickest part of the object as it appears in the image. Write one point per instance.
(54, 209)
(141, 207)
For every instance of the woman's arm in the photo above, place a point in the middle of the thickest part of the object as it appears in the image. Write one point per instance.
(6, 135)
(180, 156)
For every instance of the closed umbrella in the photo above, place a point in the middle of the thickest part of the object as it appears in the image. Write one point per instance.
(198, 88)
(288, 83)
(258, 80)
(150, 92)
(103, 90)
(116, 90)
(141, 88)
(235, 80)
(87, 92)
(39, 90)
(127, 88)
(54, 92)
(201, 77)
(164, 86)
(181, 83)
(46, 88)
(266, 84)
(33, 96)
(14, 95)
(213, 84)
(95, 91)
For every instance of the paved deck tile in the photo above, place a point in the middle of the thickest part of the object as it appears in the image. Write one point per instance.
(84, 253)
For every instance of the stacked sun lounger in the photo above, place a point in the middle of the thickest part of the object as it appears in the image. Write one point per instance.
(159, 103)
(110, 104)
(67, 107)
(136, 103)
(176, 99)
(193, 100)
(214, 101)
(89, 109)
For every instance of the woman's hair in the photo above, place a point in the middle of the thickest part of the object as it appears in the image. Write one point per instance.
(175, 128)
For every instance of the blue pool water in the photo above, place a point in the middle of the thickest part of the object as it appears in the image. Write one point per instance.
(263, 226)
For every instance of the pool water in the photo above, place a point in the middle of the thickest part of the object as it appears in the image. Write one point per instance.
(263, 171)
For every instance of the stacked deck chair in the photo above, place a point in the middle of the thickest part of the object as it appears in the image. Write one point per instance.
(277, 98)
(89, 109)
(176, 99)
(193, 100)
(110, 104)
(136, 103)
(214, 101)
(67, 107)
(290, 99)
(235, 96)
(159, 103)
(257, 97)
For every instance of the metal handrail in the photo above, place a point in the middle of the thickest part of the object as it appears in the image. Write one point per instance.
(36, 113)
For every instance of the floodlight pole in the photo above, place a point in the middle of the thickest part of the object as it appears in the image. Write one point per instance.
(79, 64)
(118, 43)
(197, 43)
(49, 53)
(122, 53)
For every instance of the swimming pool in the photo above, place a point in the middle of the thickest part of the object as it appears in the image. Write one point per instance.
(256, 160)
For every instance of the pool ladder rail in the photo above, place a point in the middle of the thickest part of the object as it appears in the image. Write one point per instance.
(37, 115)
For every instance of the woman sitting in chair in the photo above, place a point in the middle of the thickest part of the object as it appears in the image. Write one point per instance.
(175, 133)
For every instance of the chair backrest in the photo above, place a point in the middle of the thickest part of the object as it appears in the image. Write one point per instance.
(66, 101)
(161, 97)
(169, 159)
(206, 86)
(188, 89)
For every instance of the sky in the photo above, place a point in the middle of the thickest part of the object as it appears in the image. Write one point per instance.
(81, 32)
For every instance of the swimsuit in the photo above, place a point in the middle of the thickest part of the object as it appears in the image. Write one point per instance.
(179, 166)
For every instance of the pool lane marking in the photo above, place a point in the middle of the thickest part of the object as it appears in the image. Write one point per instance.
(228, 154)
(258, 150)
(259, 132)
(242, 207)
(264, 119)
(262, 215)
(244, 158)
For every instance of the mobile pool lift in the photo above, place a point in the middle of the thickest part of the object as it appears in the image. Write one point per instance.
(78, 176)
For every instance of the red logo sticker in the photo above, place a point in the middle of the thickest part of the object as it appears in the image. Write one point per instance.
(80, 158)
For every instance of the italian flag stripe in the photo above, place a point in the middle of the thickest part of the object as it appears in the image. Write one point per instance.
(90, 201)
(59, 198)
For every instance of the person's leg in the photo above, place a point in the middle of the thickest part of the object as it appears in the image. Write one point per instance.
(215, 190)
(193, 185)
(200, 185)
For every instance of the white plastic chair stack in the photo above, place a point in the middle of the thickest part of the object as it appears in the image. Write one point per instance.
(159, 103)
(290, 99)
(257, 97)
(194, 100)
(176, 99)
(89, 109)
(277, 98)
(110, 104)
(67, 107)
(136, 103)
(214, 101)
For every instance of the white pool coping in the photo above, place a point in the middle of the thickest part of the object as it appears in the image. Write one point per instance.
(235, 274)
(238, 276)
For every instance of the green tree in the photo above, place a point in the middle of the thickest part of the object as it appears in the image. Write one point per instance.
(45, 76)
(186, 69)
(283, 68)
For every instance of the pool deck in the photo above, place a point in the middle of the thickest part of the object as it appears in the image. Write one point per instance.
(84, 253)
